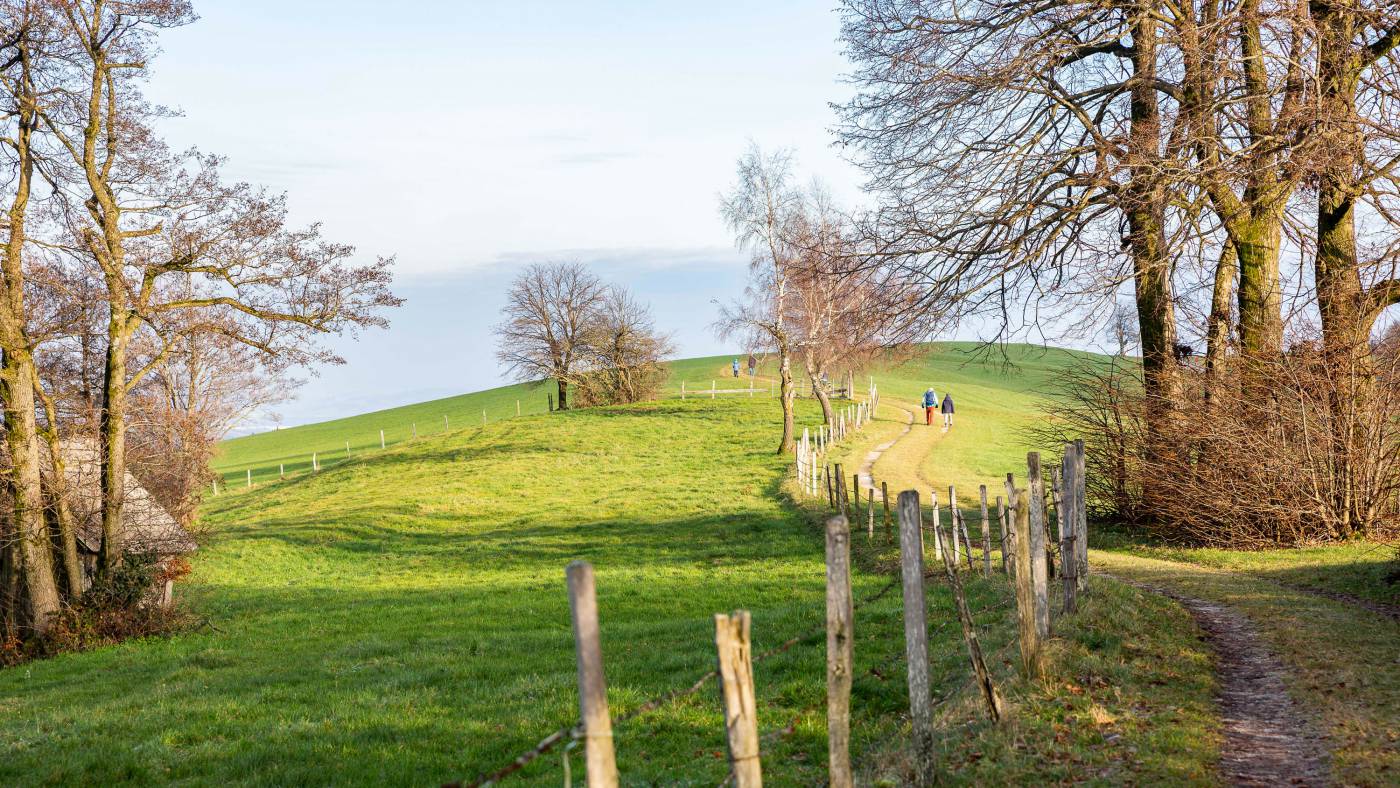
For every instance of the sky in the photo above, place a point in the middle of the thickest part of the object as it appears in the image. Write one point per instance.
(468, 139)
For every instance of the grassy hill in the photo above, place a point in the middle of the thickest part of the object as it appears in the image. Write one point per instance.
(400, 618)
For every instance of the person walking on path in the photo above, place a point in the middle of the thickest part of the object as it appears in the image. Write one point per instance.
(930, 402)
(736, 367)
(947, 411)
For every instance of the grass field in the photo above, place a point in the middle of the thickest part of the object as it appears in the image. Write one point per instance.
(400, 617)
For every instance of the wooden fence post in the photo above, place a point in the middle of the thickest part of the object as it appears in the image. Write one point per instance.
(911, 561)
(1036, 542)
(740, 708)
(483, 417)
(1009, 523)
(315, 466)
(937, 543)
(843, 501)
(347, 450)
(381, 439)
(281, 470)
(830, 493)
(415, 429)
(216, 487)
(1069, 568)
(953, 524)
(517, 407)
(1081, 515)
(974, 650)
(445, 425)
(986, 534)
(855, 488)
(682, 389)
(592, 687)
(885, 501)
(1026, 613)
(839, 651)
(712, 389)
(870, 515)
(1005, 545)
(250, 478)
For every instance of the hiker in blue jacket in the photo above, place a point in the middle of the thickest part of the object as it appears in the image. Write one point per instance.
(947, 411)
(930, 402)
(736, 367)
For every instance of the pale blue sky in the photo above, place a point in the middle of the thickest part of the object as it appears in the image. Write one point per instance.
(470, 138)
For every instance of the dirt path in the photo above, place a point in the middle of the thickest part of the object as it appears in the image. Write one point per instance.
(867, 466)
(1268, 741)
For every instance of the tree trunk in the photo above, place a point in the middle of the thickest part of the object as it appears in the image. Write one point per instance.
(113, 440)
(1218, 324)
(58, 495)
(1260, 295)
(1347, 310)
(35, 547)
(814, 374)
(785, 376)
(1145, 206)
(563, 394)
(31, 563)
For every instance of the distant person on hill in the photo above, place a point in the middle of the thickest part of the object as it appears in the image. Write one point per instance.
(947, 411)
(753, 365)
(736, 367)
(930, 402)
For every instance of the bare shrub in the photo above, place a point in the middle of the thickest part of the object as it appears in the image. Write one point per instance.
(622, 353)
(1268, 461)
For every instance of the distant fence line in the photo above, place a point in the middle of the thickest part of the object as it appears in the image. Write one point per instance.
(1024, 519)
(318, 458)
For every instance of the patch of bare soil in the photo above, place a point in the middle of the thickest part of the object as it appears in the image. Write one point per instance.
(1268, 741)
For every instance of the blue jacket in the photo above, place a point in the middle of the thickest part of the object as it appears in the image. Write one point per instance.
(930, 399)
(947, 403)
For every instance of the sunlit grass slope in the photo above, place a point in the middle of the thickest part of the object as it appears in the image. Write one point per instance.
(401, 618)
(289, 450)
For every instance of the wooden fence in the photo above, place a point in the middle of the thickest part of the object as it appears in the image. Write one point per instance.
(1023, 529)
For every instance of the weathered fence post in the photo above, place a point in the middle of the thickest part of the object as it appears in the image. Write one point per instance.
(740, 708)
(855, 487)
(885, 501)
(592, 687)
(517, 407)
(1005, 534)
(712, 389)
(381, 439)
(974, 650)
(839, 651)
(281, 470)
(1069, 569)
(953, 523)
(937, 543)
(216, 487)
(1081, 515)
(1026, 613)
(1036, 541)
(250, 478)
(445, 425)
(911, 561)
(347, 450)
(830, 493)
(549, 399)
(483, 417)
(843, 501)
(986, 534)
(415, 429)
(315, 466)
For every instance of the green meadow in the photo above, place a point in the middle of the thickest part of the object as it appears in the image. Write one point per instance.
(400, 618)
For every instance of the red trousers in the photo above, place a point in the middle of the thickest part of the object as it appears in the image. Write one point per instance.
(928, 416)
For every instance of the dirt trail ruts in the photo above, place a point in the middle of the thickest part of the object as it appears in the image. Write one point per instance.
(867, 467)
(1268, 741)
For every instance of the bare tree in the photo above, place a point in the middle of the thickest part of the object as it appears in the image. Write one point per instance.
(165, 234)
(547, 315)
(622, 353)
(845, 308)
(761, 209)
